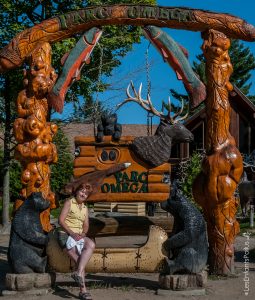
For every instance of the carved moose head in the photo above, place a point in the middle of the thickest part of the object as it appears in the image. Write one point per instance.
(156, 150)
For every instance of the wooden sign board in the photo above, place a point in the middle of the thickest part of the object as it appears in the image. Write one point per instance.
(139, 182)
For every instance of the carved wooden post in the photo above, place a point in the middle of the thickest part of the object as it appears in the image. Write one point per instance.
(34, 134)
(222, 167)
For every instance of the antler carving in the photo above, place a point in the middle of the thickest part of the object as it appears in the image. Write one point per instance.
(148, 106)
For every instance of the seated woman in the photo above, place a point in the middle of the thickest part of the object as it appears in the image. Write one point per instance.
(74, 220)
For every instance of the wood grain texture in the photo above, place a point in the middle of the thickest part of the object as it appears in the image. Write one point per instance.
(35, 149)
(87, 151)
(148, 258)
(64, 26)
(138, 182)
(135, 197)
(214, 187)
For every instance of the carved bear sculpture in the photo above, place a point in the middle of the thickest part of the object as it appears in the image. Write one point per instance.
(28, 240)
(109, 126)
(188, 244)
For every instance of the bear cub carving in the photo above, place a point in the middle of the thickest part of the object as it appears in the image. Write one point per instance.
(109, 126)
(188, 244)
(28, 240)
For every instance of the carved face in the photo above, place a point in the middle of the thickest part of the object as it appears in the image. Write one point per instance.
(33, 126)
(179, 133)
(41, 85)
(109, 119)
(36, 199)
(48, 133)
(26, 176)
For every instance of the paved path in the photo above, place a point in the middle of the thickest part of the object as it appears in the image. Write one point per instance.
(138, 286)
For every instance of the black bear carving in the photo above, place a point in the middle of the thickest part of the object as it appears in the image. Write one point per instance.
(109, 126)
(28, 240)
(188, 244)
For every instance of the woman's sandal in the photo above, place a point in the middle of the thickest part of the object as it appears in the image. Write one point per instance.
(78, 279)
(85, 296)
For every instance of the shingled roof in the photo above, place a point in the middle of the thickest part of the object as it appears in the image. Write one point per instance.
(80, 129)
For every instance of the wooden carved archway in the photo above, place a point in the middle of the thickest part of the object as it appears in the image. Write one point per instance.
(64, 26)
(222, 167)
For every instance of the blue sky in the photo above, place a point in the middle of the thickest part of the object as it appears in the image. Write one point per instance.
(162, 76)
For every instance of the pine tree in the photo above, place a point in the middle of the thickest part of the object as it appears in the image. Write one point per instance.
(243, 62)
(61, 172)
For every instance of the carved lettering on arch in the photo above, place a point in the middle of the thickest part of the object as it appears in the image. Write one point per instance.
(64, 26)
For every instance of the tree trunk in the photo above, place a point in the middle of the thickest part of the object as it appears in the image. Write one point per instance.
(6, 198)
(7, 156)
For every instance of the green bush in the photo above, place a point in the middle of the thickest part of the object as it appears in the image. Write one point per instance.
(187, 172)
(15, 175)
(62, 171)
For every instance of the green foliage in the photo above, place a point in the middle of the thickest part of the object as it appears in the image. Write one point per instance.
(15, 174)
(243, 62)
(245, 226)
(55, 212)
(15, 182)
(16, 16)
(116, 42)
(61, 172)
(187, 172)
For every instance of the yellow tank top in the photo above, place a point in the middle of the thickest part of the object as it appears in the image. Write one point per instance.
(76, 216)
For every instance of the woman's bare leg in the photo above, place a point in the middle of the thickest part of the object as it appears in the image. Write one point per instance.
(73, 254)
(85, 256)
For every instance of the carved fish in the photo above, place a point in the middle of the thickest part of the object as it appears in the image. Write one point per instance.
(66, 25)
(73, 63)
(175, 55)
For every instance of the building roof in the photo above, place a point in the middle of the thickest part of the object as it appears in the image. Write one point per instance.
(80, 129)
(242, 103)
(238, 101)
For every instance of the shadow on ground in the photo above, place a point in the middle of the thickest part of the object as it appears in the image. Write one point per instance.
(64, 292)
(240, 256)
(95, 281)
(5, 268)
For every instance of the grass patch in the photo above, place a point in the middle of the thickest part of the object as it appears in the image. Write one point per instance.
(217, 277)
(98, 285)
(245, 226)
(125, 287)
(56, 212)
